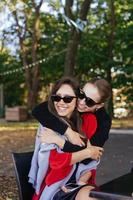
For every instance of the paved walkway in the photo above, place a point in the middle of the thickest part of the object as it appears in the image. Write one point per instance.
(122, 131)
(118, 156)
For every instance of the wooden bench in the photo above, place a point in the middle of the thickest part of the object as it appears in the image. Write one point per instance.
(18, 113)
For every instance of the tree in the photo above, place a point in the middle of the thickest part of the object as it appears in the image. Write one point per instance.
(26, 26)
(74, 35)
(111, 45)
(123, 70)
(31, 26)
(105, 44)
(13, 83)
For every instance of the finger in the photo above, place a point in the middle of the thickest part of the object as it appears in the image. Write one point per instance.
(39, 134)
(101, 149)
(79, 142)
(88, 143)
(81, 136)
(82, 143)
(100, 155)
(64, 189)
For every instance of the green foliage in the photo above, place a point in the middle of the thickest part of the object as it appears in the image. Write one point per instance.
(52, 46)
(93, 55)
(13, 90)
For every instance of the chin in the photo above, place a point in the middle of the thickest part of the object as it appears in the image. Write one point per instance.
(81, 110)
(62, 114)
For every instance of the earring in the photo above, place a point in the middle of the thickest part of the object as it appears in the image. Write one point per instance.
(96, 109)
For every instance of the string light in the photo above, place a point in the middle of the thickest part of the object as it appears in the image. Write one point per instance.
(79, 25)
(30, 65)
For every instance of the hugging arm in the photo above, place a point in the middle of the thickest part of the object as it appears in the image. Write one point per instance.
(89, 152)
(51, 137)
(69, 147)
(47, 119)
(103, 128)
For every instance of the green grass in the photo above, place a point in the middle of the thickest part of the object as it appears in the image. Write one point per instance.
(122, 123)
(18, 125)
(117, 123)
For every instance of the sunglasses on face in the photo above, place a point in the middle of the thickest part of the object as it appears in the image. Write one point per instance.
(66, 99)
(89, 102)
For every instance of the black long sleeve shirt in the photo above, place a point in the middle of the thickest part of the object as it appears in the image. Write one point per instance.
(47, 119)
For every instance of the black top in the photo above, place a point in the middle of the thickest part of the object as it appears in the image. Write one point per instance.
(103, 127)
(47, 119)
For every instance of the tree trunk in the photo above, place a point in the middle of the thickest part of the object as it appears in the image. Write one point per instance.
(110, 50)
(33, 80)
(75, 36)
(31, 74)
(71, 53)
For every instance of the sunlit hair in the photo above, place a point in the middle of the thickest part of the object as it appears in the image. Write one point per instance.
(74, 120)
(104, 88)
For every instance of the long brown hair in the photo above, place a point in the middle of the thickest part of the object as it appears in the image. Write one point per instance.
(75, 121)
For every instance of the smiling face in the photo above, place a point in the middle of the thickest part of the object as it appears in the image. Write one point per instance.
(91, 91)
(65, 109)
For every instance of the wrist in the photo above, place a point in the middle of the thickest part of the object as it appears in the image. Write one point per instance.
(68, 131)
(60, 142)
(87, 153)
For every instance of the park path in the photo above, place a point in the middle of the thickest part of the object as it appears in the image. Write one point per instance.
(117, 159)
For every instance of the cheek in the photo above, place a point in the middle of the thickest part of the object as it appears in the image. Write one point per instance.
(81, 102)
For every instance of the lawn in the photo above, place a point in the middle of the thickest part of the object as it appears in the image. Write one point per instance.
(32, 125)
(12, 140)
(123, 123)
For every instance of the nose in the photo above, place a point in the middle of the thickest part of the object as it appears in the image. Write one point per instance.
(61, 102)
(81, 101)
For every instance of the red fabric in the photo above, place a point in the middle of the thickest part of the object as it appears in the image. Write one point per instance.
(60, 162)
(59, 168)
(89, 124)
(59, 165)
(37, 196)
(92, 180)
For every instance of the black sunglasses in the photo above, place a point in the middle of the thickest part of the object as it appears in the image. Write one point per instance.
(89, 102)
(66, 99)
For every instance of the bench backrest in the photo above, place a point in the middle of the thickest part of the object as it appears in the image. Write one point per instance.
(22, 163)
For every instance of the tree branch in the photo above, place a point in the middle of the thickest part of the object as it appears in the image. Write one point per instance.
(68, 9)
(84, 9)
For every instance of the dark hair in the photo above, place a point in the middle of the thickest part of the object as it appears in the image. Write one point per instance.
(74, 120)
(104, 88)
